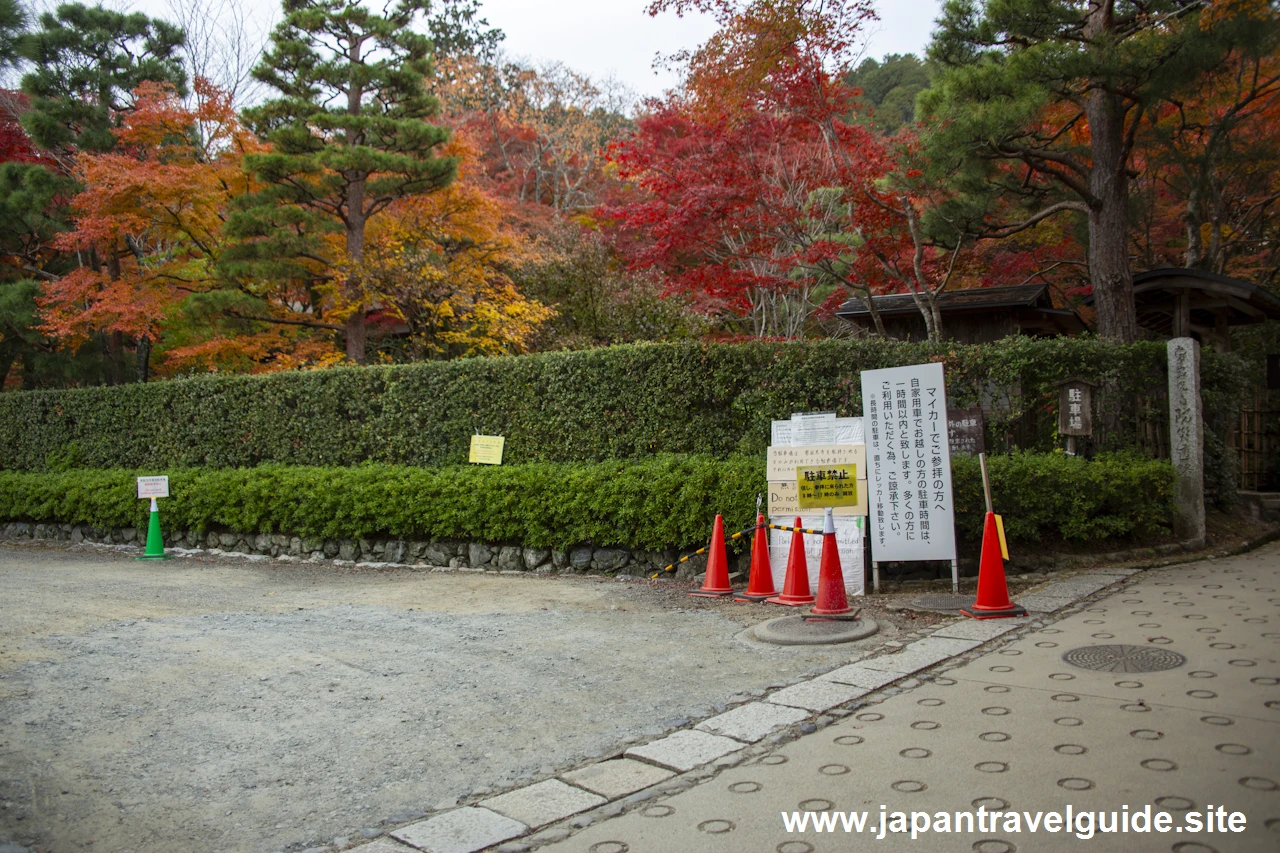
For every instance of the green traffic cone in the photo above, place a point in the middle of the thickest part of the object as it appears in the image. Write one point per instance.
(155, 540)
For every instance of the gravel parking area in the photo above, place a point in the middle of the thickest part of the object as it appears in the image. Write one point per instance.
(203, 704)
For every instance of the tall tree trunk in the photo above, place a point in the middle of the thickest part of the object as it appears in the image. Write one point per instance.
(1109, 220)
(144, 358)
(355, 326)
(8, 356)
(1109, 271)
(869, 301)
(115, 358)
(1191, 219)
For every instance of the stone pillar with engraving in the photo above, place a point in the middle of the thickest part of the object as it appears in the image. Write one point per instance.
(1186, 434)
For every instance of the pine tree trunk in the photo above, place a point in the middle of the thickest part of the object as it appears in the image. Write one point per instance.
(1109, 271)
(355, 325)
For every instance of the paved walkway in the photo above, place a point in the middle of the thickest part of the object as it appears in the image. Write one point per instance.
(981, 715)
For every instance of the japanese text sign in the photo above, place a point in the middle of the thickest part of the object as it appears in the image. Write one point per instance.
(1075, 408)
(153, 487)
(912, 515)
(783, 461)
(836, 485)
(965, 431)
(487, 449)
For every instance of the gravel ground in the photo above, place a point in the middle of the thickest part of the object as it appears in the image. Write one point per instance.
(202, 705)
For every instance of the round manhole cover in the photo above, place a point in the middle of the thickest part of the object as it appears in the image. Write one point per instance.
(795, 631)
(1123, 658)
(943, 602)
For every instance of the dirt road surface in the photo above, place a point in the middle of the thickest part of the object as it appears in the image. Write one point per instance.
(200, 705)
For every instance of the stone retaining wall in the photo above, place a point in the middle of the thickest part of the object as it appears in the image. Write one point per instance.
(583, 559)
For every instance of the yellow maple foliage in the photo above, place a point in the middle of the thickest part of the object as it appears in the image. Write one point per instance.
(437, 268)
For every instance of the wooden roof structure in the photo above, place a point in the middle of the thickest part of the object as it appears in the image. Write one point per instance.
(974, 315)
(1173, 302)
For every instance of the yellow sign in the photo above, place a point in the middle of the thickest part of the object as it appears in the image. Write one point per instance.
(1004, 546)
(828, 485)
(784, 501)
(487, 449)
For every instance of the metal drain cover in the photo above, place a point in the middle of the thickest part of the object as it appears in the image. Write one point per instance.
(795, 631)
(943, 602)
(1123, 658)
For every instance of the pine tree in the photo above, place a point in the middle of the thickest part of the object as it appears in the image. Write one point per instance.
(1040, 101)
(349, 135)
(86, 61)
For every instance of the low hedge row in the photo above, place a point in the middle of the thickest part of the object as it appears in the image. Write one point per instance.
(662, 502)
(615, 403)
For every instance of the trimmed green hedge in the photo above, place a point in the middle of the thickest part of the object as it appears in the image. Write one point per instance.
(663, 502)
(616, 403)
(1036, 494)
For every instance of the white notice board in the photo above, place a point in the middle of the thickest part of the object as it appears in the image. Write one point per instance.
(811, 429)
(912, 513)
(848, 546)
(849, 431)
(153, 487)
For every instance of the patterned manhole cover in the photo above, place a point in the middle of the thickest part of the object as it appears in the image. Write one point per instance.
(943, 602)
(1123, 658)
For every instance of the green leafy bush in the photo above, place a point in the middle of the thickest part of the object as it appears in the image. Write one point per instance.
(662, 502)
(1113, 495)
(621, 402)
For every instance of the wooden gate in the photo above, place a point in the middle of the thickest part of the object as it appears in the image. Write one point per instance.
(1256, 440)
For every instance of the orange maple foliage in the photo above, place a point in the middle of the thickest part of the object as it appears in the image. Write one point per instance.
(148, 236)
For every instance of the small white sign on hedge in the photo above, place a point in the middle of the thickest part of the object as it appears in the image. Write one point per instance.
(153, 487)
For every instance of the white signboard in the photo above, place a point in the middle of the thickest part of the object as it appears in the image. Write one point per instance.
(813, 428)
(849, 431)
(153, 487)
(783, 461)
(912, 514)
(848, 546)
(781, 433)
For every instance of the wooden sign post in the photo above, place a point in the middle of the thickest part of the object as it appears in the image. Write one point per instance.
(1075, 411)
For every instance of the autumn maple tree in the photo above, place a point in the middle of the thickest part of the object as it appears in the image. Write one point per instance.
(441, 265)
(149, 233)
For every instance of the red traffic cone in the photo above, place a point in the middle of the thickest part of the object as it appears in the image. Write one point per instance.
(832, 600)
(795, 589)
(716, 584)
(993, 590)
(760, 584)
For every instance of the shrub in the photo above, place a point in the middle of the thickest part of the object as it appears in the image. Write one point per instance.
(622, 402)
(662, 502)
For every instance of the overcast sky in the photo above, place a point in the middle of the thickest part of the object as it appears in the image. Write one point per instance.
(603, 38)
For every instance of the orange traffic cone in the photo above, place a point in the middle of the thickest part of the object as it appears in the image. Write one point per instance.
(760, 584)
(795, 589)
(993, 590)
(832, 600)
(716, 584)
